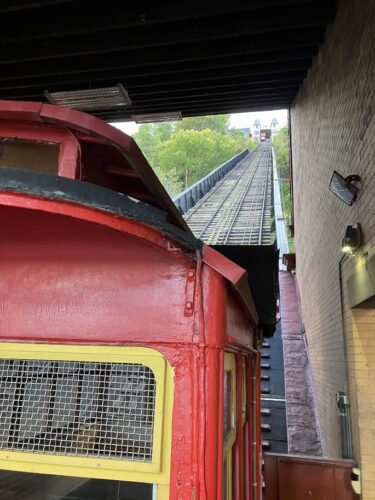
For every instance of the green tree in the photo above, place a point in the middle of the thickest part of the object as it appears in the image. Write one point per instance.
(150, 138)
(164, 130)
(217, 123)
(281, 147)
(183, 153)
(251, 143)
(241, 139)
(192, 154)
(149, 142)
(171, 180)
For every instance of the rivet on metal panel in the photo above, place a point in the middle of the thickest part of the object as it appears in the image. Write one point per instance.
(189, 293)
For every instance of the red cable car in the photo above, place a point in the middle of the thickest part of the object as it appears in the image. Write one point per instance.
(129, 357)
(265, 134)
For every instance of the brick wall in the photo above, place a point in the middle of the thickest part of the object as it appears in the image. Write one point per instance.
(333, 127)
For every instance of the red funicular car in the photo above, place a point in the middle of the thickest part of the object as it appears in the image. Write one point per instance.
(129, 360)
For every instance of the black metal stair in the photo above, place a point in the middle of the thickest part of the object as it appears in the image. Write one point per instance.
(274, 431)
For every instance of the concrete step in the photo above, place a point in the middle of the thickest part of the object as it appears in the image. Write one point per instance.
(265, 412)
(266, 445)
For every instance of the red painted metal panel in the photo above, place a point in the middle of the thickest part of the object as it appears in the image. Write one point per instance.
(291, 477)
(238, 462)
(81, 212)
(224, 266)
(236, 276)
(240, 330)
(68, 280)
(214, 307)
(184, 477)
(213, 457)
(18, 110)
(213, 336)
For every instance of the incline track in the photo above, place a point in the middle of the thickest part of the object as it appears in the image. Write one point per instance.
(238, 210)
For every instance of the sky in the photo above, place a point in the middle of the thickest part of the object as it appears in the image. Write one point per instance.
(242, 120)
(237, 120)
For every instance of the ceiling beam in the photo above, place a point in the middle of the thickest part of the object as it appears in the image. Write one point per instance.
(10, 6)
(289, 91)
(212, 84)
(154, 21)
(189, 104)
(218, 40)
(208, 110)
(138, 79)
(136, 66)
(162, 88)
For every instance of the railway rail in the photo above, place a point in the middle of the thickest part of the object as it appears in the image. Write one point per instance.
(238, 210)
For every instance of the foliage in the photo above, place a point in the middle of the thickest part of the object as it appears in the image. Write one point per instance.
(252, 143)
(150, 138)
(241, 139)
(183, 153)
(193, 154)
(171, 180)
(281, 146)
(217, 123)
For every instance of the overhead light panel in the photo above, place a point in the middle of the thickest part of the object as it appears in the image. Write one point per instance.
(158, 117)
(91, 99)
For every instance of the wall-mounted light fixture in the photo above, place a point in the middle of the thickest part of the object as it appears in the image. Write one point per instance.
(352, 239)
(344, 188)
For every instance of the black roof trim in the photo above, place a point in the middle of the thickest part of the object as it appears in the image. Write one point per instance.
(53, 187)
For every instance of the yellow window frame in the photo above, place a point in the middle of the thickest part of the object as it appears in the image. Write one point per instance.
(230, 366)
(157, 471)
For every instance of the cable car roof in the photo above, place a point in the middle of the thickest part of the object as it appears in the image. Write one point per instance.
(121, 161)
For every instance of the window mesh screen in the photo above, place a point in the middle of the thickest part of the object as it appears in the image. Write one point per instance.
(91, 409)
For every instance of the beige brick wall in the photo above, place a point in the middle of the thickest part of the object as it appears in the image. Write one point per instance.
(333, 127)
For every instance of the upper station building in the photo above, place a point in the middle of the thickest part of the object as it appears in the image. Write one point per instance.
(257, 126)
